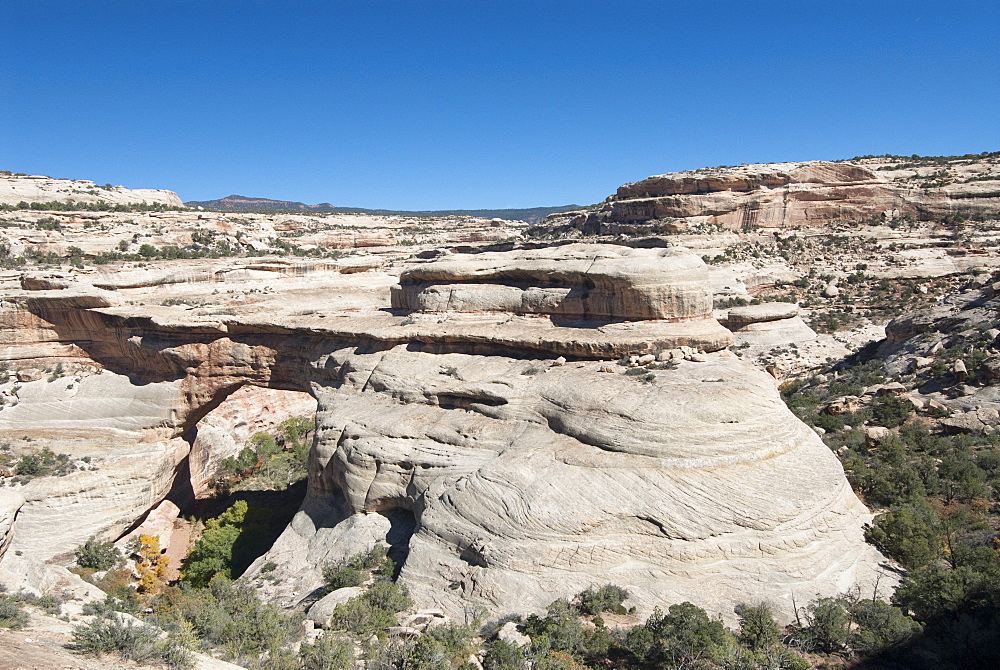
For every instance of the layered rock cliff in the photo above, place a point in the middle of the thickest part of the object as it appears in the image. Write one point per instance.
(788, 195)
(36, 188)
(451, 425)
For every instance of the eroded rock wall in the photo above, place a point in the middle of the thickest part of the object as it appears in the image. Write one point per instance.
(502, 473)
(529, 482)
(775, 195)
(36, 188)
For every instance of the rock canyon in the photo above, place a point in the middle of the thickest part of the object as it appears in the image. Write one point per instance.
(519, 412)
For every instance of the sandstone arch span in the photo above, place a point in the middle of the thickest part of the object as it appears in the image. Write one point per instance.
(529, 476)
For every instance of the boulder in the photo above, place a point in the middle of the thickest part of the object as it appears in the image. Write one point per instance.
(992, 367)
(29, 375)
(771, 324)
(321, 611)
(983, 420)
(843, 405)
(876, 435)
(510, 634)
(739, 317)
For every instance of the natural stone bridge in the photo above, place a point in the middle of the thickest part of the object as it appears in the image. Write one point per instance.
(451, 424)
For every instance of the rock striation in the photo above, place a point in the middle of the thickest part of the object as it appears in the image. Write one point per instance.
(469, 414)
(10, 504)
(522, 486)
(777, 195)
(576, 282)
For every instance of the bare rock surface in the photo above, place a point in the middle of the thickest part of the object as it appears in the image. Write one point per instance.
(526, 488)
(10, 504)
(739, 317)
(496, 476)
(768, 324)
(33, 188)
(777, 195)
(575, 281)
(321, 611)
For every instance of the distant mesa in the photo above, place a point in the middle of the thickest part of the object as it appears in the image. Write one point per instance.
(245, 203)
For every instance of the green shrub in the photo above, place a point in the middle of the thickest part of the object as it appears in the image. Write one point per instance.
(608, 598)
(934, 591)
(97, 555)
(908, 532)
(49, 603)
(880, 626)
(559, 630)
(241, 464)
(827, 626)
(327, 653)
(891, 411)
(758, 629)
(339, 577)
(264, 444)
(388, 596)
(686, 634)
(358, 616)
(502, 655)
(212, 554)
(227, 615)
(133, 642)
(43, 463)
(354, 571)
(374, 610)
(11, 614)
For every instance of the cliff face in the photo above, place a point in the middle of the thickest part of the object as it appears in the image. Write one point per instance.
(451, 425)
(45, 189)
(786, 195)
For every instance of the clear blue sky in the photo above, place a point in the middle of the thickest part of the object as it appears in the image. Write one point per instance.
(444, 104)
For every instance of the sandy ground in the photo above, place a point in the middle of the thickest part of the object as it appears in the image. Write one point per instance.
(180, 545)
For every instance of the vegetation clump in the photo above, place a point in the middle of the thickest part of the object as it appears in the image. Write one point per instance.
(112, 634)
(935, 493)
(12, 614)
(97, 555)
(357, 569)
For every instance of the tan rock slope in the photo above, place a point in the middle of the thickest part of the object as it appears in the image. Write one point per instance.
(451, 425)
(787, 195)
(37, 188)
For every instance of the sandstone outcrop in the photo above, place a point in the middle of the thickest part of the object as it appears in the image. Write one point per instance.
(576, 282)
(523, 487)
(10, 504)
(778, 195)
(446, 429)
(770, 323)
(34, 188)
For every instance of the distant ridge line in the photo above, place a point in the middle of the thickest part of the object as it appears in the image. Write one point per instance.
(247, 203)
